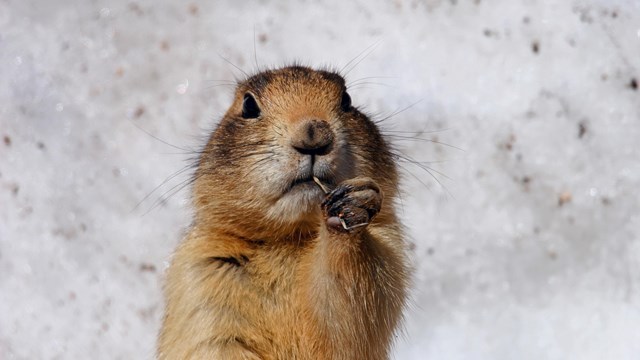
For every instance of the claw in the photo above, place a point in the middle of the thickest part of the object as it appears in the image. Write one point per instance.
(346, 227)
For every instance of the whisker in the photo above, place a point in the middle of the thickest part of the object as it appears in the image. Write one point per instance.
(419, 132)
(234, 65)
(368, 78)
(419, 164)
(255, 52)
(170, 193)
(172, 176)
(231, 85)
(188, 151)
(346, 69)
(256, 165)
(363, 83)
(430, 171)
(396, 112)
(409, 138)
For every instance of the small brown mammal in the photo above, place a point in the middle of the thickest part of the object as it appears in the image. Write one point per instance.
(273, 267)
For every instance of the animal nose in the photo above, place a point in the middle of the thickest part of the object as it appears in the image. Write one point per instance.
(313, 137)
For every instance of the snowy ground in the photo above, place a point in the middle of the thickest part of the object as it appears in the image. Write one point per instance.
(530, 248)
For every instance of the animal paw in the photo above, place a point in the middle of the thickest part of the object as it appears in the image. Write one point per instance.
(352, 205)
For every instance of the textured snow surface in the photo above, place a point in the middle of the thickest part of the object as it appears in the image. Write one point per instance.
(529, 248)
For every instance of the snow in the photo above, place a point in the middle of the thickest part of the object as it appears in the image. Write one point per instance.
(526, 247)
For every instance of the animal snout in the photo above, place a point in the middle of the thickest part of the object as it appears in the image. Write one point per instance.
(313, 137)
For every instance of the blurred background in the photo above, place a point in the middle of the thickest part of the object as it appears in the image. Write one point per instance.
(523, 210)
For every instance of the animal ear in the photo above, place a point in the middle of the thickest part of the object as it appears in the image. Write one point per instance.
(345, 103)
(250, 108)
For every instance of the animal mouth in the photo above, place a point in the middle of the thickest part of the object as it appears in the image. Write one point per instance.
(310, 180)
(316, 176)
(304, 180)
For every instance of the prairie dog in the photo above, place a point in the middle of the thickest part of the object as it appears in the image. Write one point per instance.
(295, 251)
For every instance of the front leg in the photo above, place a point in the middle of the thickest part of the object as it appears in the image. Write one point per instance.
(355, 280)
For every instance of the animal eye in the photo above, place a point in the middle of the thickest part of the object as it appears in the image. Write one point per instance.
(345, 103)
(250, 108)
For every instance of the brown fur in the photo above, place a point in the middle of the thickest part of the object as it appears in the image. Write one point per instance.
(262, 274)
